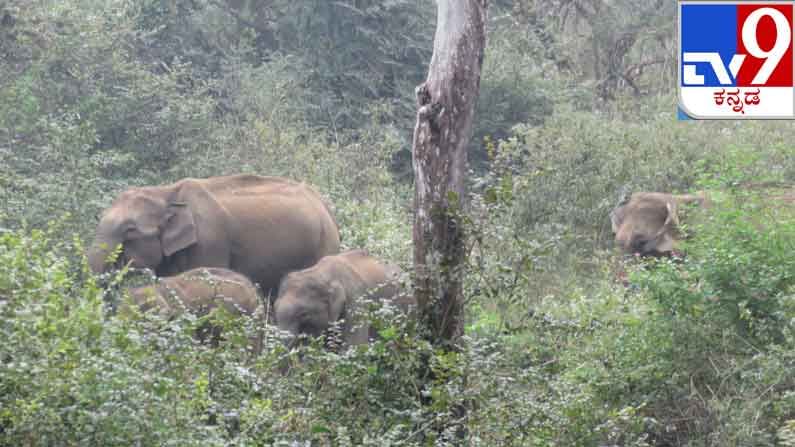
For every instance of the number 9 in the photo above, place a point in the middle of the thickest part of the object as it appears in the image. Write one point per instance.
(772, 57)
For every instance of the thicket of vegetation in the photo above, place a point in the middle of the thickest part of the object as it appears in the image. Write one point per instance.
(577, 108)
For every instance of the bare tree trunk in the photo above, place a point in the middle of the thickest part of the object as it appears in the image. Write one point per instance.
(445, 109)
(446, 105)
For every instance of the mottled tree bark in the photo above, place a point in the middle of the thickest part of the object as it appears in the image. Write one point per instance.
(446, 104)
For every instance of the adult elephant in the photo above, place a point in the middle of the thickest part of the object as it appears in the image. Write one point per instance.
(647, 223)
(312, 299)
(262, 227)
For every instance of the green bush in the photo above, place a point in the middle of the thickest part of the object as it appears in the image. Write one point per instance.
(739, 270)
(660, 366)
(82, 113)
(71, 375)
(512, 92)
(573, 170)
(71, 372)
(723, 317)
(100, 95)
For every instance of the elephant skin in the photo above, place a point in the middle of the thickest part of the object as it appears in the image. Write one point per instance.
(311, 300)
(262, 227)
(198, 291)
(647, 223)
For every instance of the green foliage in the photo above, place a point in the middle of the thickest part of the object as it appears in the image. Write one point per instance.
(614, 47)
(575, 110)
(513, 90)
(73, 373)
(87, 69)
(71, 377)
(91, 111)
(579, 162)
(573, 170)
(346, 53)
(619, 367)
(358, 51)
(740, 269)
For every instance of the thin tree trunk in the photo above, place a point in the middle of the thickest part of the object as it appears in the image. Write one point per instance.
(446, 105)
(445, 109)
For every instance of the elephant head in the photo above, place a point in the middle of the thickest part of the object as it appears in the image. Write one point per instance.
(309, 305)
(148, 223)
(310, 300)
(647, 223)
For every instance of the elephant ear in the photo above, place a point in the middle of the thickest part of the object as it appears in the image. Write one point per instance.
(664, 240)
(337, 301)
(617, 218)
(341, 307)
(179, 229)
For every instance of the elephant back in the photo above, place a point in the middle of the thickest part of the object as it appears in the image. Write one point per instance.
(245, 183)
(211, 287)
(648, 223)
(271, 225)
(198, 291)
(371, 275)
(145, 298)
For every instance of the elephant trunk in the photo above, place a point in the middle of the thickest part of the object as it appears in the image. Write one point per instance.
(287, 320)
(96, 258)
(290, 329)
(103, 246)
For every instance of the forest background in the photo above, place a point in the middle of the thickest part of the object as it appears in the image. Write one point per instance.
(576, 109)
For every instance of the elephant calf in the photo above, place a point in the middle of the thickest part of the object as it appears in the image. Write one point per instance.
(310, 300)
(199, 291)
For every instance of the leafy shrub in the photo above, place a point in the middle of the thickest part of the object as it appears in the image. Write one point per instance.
(512, 92)
(82, 113)
(71, 372)
(611, 366)
(740, 267)
(573, 170)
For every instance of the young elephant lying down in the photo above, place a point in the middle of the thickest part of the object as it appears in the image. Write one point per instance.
(310, 300)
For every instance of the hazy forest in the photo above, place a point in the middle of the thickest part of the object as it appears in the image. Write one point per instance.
(568, 340)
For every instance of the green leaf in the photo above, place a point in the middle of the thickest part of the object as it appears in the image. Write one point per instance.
(320, 429)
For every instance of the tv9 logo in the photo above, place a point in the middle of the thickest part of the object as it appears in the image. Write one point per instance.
(736, 60)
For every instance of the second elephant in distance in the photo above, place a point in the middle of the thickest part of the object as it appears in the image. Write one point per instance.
(647, 223)
(311, 300)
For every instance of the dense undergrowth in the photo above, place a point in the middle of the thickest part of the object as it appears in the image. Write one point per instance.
(695, 351)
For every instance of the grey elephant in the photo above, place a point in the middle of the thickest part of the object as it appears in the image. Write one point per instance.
(262, 227)
(647, 223)
(311, 300)
(198, 291)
